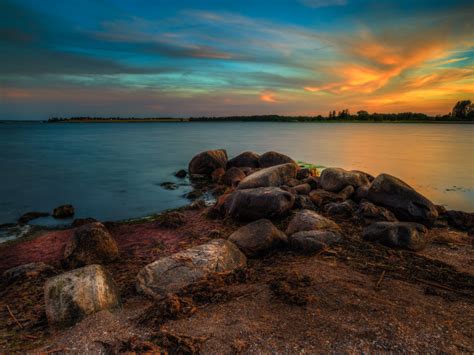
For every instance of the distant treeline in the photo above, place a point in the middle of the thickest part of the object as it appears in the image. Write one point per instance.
(463, 111)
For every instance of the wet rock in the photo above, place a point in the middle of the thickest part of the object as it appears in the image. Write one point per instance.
(181, 174)
(206, 162)
(370, 213)
(346, 192)
(407, 204)
(307, 220)
(258, 237)
(170, 274)
(29, 216)
(197, 205)
(169, 185)
(82, 221)
(217, 174)
(262, 202)
(273, 158)
(302, 189)
(369, 177)
(303, 202)
(219, 208)
(194, 194)
(460, 220)
(90, 244)
(309, 242)
(233, 176)
(275, 176)
(344, 209)
(245, 159)
(220, 190)
(322, 197)
(405, 235)
(73, 295)
(27, 271)
(303, 173)
(293, 182)
(313, 181)
(64, 211)
(361, 193)
(335, 179)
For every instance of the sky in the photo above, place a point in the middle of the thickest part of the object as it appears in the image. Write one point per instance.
(182, 58)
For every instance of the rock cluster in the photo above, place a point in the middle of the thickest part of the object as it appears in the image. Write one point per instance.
(260, 192)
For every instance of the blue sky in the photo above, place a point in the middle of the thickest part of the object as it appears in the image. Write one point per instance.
(193, 58)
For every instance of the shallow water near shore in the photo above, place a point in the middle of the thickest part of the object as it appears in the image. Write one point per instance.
(113, 171)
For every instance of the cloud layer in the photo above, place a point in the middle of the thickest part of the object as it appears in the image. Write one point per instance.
(189, 61)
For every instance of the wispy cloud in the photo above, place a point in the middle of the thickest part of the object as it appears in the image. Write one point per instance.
(323, 3)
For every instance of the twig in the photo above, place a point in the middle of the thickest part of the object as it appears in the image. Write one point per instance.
(380, 279)
(13, 316)
(437, 285)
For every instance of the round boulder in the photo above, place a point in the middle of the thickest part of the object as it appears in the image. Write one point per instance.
(245, 159)
(171, 274)
(90, 244)
(261, 202)
(73, 295)
(309, 242)
(206, 162)
(400, 198)
(307, 220)
(273, 176)
(64, 211)
(273, 158)
(258, 237)
(233, 176)
(335, 179)
(405, 235)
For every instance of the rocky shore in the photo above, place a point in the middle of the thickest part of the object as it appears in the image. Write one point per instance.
(288, 259)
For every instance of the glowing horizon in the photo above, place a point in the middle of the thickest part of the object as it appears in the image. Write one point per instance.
(216, 58)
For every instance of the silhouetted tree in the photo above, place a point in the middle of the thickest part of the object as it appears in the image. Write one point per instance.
(463, 109)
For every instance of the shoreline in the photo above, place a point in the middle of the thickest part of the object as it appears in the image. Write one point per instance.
(337, 297)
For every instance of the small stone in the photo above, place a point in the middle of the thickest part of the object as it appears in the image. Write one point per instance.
(306, 220)
(406, 235)
(181, 174)
(64, 211)
(309, 242)
(258, 237)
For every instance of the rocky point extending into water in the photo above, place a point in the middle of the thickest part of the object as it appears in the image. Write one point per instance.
(161, 281)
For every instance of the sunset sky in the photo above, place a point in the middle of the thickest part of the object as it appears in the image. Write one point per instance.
(222, 57)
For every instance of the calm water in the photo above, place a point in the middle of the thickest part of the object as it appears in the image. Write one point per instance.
(112, 171)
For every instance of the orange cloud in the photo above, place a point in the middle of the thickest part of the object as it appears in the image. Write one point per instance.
(268, 97)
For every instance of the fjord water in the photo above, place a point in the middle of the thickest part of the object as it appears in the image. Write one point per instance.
(112, 171)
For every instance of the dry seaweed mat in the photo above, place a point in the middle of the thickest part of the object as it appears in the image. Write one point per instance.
(406, 266)
(23, 323)
(213, 289)
(162, 342)
(293, 289)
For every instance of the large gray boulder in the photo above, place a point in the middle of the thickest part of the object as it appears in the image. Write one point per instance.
(276, 176)
(73, 295)
(206, 162)
(406, 235)
(309, 242)
(407, 204)
(171, 274)
(245, 159)
(261, 202)
(274, 158)
(90, 244)
(307, 220)
(335, 179)
(258, 237)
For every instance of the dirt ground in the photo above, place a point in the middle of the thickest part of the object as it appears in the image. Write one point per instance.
(354, 297)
